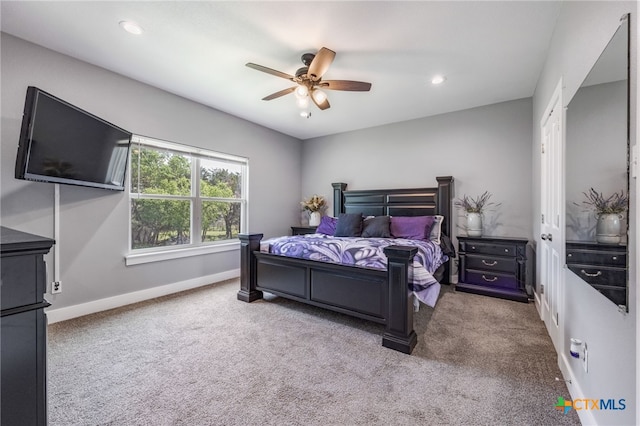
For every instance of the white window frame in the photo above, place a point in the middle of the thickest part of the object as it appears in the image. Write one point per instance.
(195, 248)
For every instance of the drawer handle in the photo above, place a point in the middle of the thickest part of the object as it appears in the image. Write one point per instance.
(614, 258)
(569, 255)
(489, 280)
(506, 250)
(494, 263)
(597, 274)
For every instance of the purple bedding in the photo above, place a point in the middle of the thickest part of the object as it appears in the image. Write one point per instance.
(365, 253)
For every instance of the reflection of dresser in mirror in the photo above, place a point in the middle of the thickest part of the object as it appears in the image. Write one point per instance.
(596, 162)
(604, 266)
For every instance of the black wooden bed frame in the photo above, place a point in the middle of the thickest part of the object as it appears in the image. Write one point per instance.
(380, 296)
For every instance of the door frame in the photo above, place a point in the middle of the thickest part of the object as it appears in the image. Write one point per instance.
(555, 101)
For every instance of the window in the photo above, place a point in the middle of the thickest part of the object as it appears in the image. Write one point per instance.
(184, 197)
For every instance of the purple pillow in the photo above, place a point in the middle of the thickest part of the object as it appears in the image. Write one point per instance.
(327, 225)
(411, 227)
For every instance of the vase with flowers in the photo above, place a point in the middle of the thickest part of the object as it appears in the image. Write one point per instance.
(608, 211)
(474, 208)
(314, 205)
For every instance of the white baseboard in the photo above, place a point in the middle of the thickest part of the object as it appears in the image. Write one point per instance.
(69, 312)
(575, 391)
(538, 303)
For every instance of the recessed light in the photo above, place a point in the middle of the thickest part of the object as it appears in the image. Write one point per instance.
(438, 79)
(131, 27)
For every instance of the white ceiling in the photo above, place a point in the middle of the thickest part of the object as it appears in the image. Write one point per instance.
(489, 51)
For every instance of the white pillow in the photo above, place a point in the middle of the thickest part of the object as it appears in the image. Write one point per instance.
(436, 231)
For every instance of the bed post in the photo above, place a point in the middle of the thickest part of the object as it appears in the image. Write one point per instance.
(445, 195)
(248, 267)
(399, 333)
(338, 198)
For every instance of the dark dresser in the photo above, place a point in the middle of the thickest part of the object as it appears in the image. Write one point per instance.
(301, 230)
(495, 266)
(24, 328)
(604, 266)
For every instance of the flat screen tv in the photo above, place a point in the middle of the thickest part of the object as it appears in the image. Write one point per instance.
(61, 143)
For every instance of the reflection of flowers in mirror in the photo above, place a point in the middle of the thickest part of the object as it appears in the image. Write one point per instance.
(314, 204)
(614, 204)
(474, 204)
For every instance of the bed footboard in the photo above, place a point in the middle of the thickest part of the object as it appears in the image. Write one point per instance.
(248, 268)
(399, 334)
(379, 296)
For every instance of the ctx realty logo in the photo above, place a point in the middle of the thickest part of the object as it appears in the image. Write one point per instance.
(566, 405)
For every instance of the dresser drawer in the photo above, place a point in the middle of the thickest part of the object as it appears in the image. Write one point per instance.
(601, 275)
(593, 257)
(491, 263)
(617, 295)
(489, 248)
(23, 281)
(489, 279)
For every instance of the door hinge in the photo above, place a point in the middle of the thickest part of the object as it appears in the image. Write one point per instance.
(541, 288)
(542, 217)
(543, 148)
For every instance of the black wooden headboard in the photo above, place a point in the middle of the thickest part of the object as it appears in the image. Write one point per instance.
(398, 202)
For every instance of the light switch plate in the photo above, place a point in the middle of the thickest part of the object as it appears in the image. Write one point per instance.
(585, 360)
(634, 161)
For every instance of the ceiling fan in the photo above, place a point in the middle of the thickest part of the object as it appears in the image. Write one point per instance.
(309, 80)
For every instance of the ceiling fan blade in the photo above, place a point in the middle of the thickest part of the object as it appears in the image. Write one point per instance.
(280, 93)
(352, 86)
(270, 71)
(320, 63)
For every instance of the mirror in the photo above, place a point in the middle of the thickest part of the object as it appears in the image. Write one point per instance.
(597, 173)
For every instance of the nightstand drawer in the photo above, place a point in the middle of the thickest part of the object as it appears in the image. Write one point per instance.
(601, 275)
(491, 279)
(495, 266)
(488, 248)
(592, 257)
(303, 230)
(492, 263)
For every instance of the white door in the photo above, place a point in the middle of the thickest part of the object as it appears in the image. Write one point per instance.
(551, 242)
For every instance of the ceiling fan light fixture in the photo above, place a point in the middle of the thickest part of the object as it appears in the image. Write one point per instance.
(319, 96)
(438, 79)
(302, 91)
(302, 102)
(131, 27)
(308, 81)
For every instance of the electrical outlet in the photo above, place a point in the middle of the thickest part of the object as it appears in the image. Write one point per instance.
(56, 287)
(585, 359)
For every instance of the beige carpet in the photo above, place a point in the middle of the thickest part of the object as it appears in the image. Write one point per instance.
(204, 358)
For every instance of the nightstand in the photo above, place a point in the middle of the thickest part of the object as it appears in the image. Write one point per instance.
(301, 230)
(604, 266)
(494, 266)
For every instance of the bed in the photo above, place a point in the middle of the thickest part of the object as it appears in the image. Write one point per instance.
(382, 296)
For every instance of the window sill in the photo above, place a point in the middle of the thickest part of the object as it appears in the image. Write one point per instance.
(159, 256)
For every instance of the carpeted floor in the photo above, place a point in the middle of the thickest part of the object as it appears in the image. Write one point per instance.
(203, 358)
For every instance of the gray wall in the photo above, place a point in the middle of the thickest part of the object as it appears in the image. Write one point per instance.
(485, 149)
(595, 152)
(94, 222)
(581, 34)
